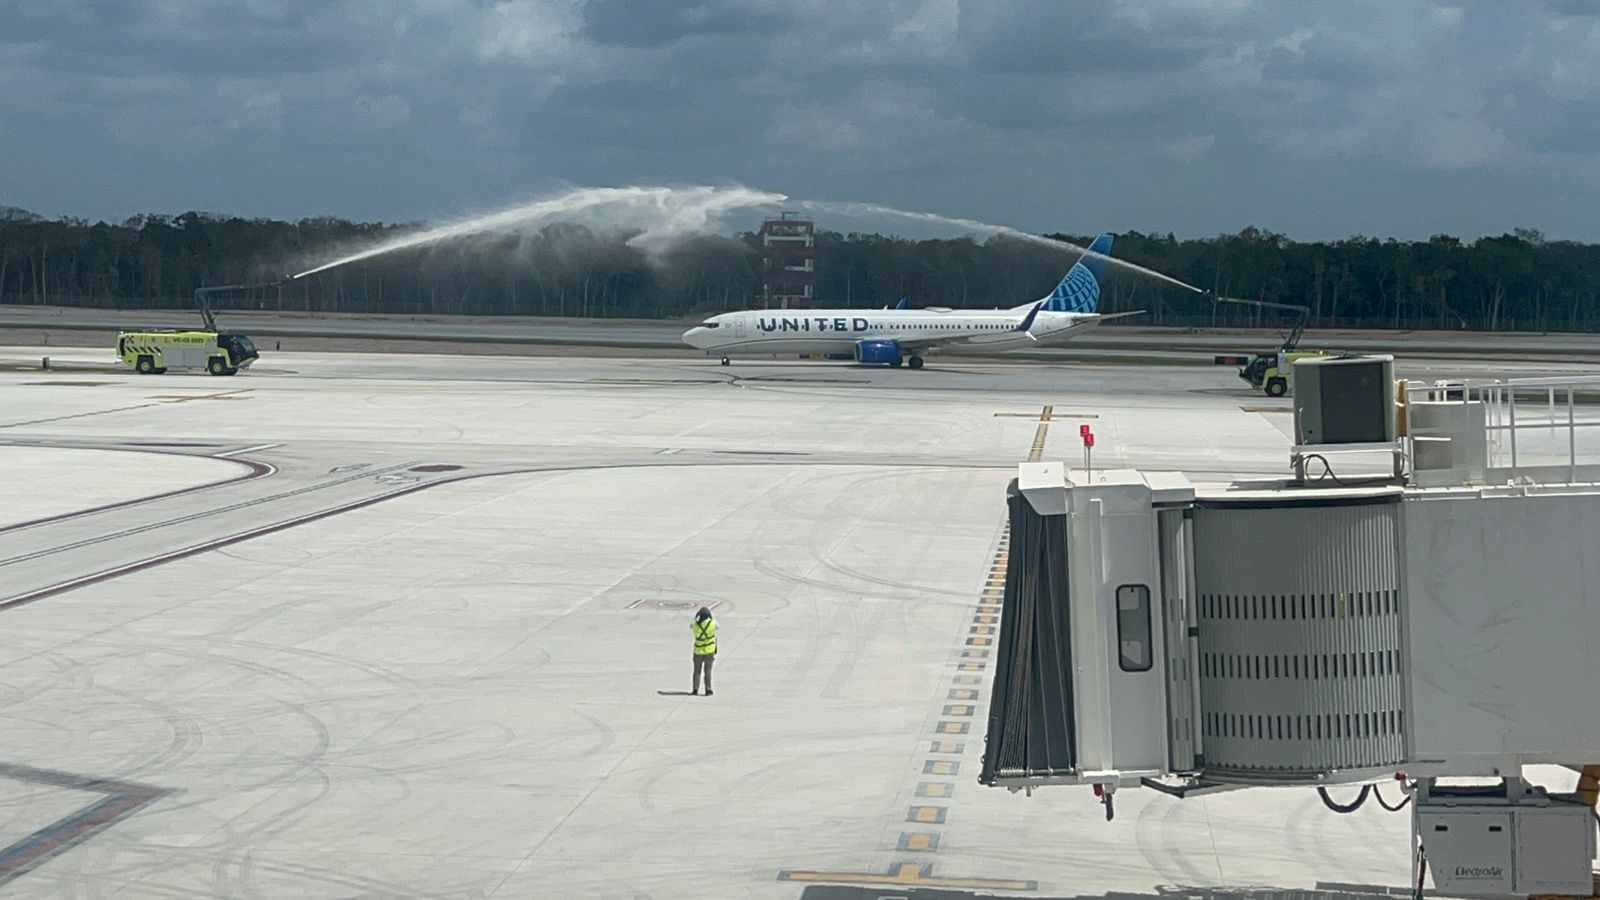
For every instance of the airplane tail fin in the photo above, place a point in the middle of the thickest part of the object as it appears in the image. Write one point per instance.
(1079, 292)
(902, 303)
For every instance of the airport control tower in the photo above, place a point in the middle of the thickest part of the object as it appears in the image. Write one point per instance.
(787, 253)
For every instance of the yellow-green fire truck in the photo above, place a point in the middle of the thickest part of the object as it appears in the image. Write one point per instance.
(155, 350)
(1271, 372)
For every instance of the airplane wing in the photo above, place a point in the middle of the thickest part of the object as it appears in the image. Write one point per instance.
(1025, 326)
(1106, 318)
(1082, 325)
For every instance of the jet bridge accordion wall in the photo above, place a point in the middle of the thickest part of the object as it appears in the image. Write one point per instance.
(1300, 638)
(1031, 724)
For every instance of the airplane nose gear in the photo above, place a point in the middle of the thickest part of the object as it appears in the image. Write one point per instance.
(725, 360)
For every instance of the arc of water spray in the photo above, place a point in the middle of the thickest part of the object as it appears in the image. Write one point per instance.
(663, 213)
(975, 225)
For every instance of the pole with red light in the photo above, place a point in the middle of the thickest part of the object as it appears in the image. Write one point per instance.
(1088, 445)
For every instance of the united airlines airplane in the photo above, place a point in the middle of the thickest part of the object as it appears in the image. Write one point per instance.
(899, 336)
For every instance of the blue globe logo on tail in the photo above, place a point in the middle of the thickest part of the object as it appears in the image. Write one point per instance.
(1079, 292)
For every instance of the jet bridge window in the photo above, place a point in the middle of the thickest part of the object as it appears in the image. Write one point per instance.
(1133, 628)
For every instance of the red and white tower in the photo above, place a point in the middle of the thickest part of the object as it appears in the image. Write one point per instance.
(788, 250)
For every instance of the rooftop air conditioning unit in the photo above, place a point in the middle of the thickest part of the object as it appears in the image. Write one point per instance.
(1344, 400)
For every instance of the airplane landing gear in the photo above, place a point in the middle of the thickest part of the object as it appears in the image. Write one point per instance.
(725, 361)
(916, 362)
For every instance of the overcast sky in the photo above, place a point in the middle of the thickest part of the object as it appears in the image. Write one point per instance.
(1317, 119)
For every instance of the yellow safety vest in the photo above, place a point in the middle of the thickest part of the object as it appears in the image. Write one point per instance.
(705, 637)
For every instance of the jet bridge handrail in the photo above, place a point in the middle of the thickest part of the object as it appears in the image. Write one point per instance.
(1502, 425)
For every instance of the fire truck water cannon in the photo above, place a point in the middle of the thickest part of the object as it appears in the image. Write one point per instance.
(202, 297)
(1411, 627)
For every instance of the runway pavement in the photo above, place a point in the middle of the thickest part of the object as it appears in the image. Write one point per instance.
(417, 626)
(1122, 339)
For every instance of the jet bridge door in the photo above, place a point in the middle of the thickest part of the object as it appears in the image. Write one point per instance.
(1174, 532)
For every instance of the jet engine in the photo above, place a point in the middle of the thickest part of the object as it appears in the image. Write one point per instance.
(880, 352)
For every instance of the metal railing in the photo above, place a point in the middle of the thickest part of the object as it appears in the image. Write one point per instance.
(1532, 425)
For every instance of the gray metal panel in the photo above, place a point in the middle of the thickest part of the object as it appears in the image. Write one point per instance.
(1448, 440)
(1300, 638)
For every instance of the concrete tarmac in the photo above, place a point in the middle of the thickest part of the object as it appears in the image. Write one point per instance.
(1131, 338)
(417, 626)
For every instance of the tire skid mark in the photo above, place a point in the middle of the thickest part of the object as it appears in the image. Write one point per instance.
(205, 514)
(256, 468)
(307, 518)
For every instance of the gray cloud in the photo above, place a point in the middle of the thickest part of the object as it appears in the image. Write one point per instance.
(1198, 116)
(656, 24)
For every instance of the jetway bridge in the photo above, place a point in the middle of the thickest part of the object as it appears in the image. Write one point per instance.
(1424, 635)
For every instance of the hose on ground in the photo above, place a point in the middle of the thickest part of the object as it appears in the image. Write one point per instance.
(1352, 806)
(1378, 795)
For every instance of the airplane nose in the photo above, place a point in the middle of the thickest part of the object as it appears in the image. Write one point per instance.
(695, 337)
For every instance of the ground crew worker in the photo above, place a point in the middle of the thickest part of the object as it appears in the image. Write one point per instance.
(704, 629)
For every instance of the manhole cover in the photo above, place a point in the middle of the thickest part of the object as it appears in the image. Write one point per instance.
(435, 467)
(673, 605)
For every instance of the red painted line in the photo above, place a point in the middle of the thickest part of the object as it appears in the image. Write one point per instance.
(122, 799)
(28, 853)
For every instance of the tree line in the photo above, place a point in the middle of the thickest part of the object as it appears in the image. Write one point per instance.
(1515, 281)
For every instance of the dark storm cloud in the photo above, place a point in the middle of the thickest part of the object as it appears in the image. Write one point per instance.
(138, 38)
(1197, 116)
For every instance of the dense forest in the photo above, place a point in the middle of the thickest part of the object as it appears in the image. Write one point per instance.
(1516, 281)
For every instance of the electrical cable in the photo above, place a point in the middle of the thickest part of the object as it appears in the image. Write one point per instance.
(1352, 806)
(1327, 468)
(1378, 795)
(1422, 872)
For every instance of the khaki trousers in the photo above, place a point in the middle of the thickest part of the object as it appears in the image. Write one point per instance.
(703, 661)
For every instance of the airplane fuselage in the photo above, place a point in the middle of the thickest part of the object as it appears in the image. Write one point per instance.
(897, 336)
(840, 331)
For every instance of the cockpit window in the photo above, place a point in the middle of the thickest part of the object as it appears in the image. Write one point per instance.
(709, 324)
